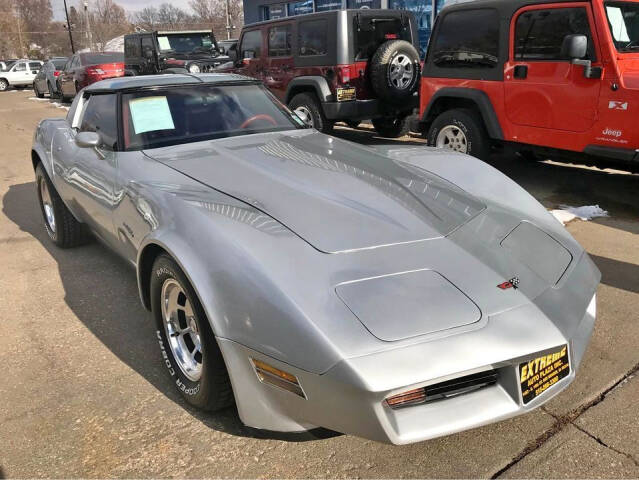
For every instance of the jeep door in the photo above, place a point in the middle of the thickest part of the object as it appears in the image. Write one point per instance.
(251, 52)
(542, 87)
(279, 62)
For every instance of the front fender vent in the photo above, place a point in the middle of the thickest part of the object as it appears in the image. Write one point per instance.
(443, 390)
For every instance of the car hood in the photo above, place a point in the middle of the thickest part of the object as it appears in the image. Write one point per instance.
(336, 195)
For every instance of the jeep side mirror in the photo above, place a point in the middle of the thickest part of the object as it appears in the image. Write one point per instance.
(574, 47)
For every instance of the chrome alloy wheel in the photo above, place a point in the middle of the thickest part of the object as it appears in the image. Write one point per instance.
(181, 328)
(305, 114)
(47, 205)
(453, 138)
(401, 71)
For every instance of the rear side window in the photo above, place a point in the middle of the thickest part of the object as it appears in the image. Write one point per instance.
(252, 44)
(312, 37)
(467, 39)
(372, 31)
(35, 66)
(132, 47)
(100, 116)
(539, 34)
(279, 41)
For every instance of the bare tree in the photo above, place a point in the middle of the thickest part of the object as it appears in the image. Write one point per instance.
(213, 12)
(146, 19)
(108, 20)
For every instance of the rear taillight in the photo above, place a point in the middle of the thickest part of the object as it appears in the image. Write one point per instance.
(96, 70)
(391, 36)
(56, 73)
(344, 74)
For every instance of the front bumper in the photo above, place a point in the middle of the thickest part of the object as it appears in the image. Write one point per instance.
(349, 397)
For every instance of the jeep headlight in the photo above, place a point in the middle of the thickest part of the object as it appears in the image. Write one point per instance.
(194, 68)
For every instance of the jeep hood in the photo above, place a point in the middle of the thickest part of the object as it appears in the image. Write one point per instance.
(336, 195)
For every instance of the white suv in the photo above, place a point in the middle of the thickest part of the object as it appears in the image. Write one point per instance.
(23, 72)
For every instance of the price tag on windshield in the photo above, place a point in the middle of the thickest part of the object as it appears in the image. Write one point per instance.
(150, 114)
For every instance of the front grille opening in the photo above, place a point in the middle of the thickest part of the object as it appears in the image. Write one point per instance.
(443, 390)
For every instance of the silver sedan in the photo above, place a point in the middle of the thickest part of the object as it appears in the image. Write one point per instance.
(395, 293)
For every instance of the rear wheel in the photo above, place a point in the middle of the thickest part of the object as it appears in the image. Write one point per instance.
(4, 85)
(188, 346)
(60, 224)
(308, 107)
(391, 127)
(460, 130)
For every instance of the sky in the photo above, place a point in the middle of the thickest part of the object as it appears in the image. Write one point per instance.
(129, 5)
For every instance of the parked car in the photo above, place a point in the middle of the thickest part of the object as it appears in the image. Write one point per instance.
(20, 74)
(193, 51)
(46, 81)
(83, 69)
(396, 293)
(7, 64)
(342, 65)
(548, 77)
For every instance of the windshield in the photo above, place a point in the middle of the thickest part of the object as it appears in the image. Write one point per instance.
(59, 64)
(189, 114)
(186, 42)
(623, 20)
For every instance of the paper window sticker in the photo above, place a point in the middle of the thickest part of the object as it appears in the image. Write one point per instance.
(150, 114)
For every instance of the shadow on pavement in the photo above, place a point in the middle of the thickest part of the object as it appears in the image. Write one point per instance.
(618, 274)
(101, 290)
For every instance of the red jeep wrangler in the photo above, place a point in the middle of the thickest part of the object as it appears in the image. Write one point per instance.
(546, 76)
(340, 65)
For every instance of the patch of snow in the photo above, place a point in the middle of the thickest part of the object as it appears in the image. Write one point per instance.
(566, 213)
(36, 99)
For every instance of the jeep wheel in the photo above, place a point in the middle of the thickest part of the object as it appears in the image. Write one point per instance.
(308, 107)
(391, 127)
(462, 131)
(395, 70)
(4, 85)
(187, 343)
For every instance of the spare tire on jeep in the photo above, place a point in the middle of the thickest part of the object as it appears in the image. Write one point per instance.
(394, 70)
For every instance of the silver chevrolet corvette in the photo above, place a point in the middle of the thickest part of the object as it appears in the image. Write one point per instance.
(395, 293)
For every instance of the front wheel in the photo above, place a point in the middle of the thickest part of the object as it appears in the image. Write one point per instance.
(308, 108)
(190, 352)
(462, 131)
(4, 85)
(391, 127)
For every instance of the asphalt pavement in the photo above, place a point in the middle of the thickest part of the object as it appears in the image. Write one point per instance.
(84, 393)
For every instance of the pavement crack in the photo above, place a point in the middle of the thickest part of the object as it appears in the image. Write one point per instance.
(604, 444)
(561, 421)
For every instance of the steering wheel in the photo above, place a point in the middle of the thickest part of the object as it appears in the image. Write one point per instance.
(261, 116)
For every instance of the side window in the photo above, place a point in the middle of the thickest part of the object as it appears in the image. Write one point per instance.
(132, 47)
(251, 44)
(279, 41)
(312, 38)
(20, 67)
(467, 39)
(34, 66)
(539, 34)
(147, 44)
(100, 116)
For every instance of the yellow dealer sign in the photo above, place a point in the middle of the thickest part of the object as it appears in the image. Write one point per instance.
(541, 373)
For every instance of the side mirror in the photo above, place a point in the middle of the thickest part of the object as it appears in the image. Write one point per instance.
(574, 47)
(88, 140)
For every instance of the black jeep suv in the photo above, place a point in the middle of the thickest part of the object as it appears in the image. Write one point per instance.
(193, 51)
(341, 65)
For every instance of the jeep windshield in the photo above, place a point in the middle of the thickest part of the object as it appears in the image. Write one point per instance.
(623, 21)
(186, 42)
(194, 113)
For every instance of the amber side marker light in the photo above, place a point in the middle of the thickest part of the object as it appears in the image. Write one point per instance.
(406, 399)
(279, 378)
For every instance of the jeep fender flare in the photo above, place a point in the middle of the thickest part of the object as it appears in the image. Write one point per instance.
(311, 82)
(477, 97)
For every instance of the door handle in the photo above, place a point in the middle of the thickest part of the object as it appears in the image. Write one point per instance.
(521, 71)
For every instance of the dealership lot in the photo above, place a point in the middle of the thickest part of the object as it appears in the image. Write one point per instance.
(84, 394)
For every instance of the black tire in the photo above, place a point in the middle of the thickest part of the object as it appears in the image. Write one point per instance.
(390, 56)
(310, 103)
(352, 123)
(4, 85)
(391, 127)
(36, 91)
(66, 231)
(468, 123)
(213, 389)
